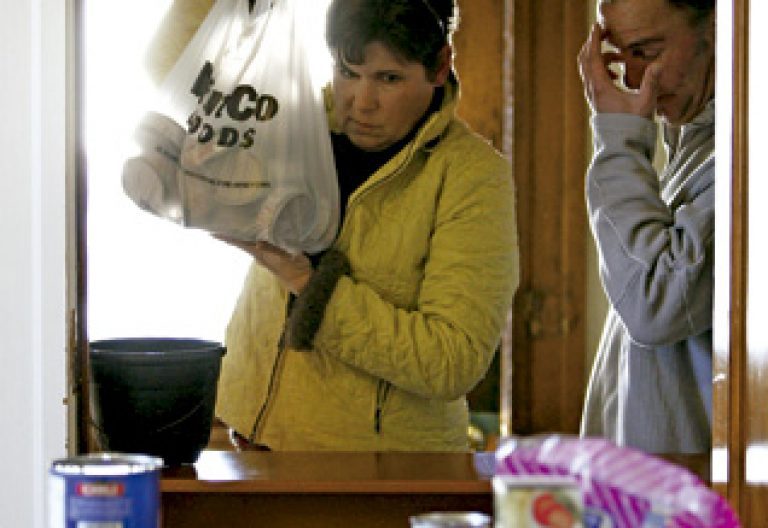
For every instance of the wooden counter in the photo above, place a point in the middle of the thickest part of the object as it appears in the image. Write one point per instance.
(296, 490)
(317, 490)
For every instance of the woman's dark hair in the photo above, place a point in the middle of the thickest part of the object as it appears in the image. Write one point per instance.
(417, 30)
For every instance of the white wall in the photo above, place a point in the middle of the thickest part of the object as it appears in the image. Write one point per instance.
(32, 235)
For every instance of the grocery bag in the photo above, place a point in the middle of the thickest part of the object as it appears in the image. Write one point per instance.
(237, 141)
(622, 487)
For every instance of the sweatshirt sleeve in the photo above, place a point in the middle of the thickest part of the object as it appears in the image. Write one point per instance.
(655, 255)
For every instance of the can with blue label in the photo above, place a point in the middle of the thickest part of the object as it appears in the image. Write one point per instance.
(105, 490)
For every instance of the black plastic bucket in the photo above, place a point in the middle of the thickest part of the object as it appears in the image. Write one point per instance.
(154, 395)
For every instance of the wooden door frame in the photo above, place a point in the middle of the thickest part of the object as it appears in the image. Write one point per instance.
(520, 89)
(733, 415)
(546, 134)
(78, 413)
(543, 350)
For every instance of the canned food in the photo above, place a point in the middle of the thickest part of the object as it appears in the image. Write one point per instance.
(105, 490)
(537, 501)
(451, 520)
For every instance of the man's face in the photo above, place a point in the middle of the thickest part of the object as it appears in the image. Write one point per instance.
(378, 102)
(647, 31)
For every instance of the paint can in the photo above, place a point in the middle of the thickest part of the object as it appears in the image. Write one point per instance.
(105, 490)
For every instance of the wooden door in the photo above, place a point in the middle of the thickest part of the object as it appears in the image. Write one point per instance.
(516, 60)
(546, 134)
(520, 89)
(740, 421)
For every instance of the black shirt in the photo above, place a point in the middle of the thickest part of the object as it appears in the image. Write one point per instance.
(355, 165)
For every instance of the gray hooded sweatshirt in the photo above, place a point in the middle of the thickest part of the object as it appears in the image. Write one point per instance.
(651, 383)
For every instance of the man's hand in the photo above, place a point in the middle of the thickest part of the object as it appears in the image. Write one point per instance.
(293, 271)
(599, 89)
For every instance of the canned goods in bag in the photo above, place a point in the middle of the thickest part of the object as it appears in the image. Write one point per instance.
(105, 490)
(537, 501)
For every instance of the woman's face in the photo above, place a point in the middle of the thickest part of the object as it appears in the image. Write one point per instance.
(378, 102)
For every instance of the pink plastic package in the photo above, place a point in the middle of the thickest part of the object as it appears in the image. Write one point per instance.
(621, 487)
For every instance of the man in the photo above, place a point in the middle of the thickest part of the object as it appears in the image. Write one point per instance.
(651, 383)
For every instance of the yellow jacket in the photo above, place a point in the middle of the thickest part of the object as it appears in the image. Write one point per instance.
(430, 245)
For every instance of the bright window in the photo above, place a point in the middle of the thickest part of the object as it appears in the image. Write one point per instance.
(146, 276)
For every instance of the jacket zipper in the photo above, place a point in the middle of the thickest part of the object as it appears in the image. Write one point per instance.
(258, 422)
(412, 147)
(384, 179)
(382, 390)
(383, 386)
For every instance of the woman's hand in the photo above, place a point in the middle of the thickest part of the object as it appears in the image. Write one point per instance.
(599, 88)
(293, 271)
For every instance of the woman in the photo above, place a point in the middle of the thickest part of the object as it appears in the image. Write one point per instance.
(374, 344)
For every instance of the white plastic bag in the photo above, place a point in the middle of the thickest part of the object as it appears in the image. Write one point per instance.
(238, 142)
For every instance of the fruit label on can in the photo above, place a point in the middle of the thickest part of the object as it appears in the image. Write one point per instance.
(534, 502)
